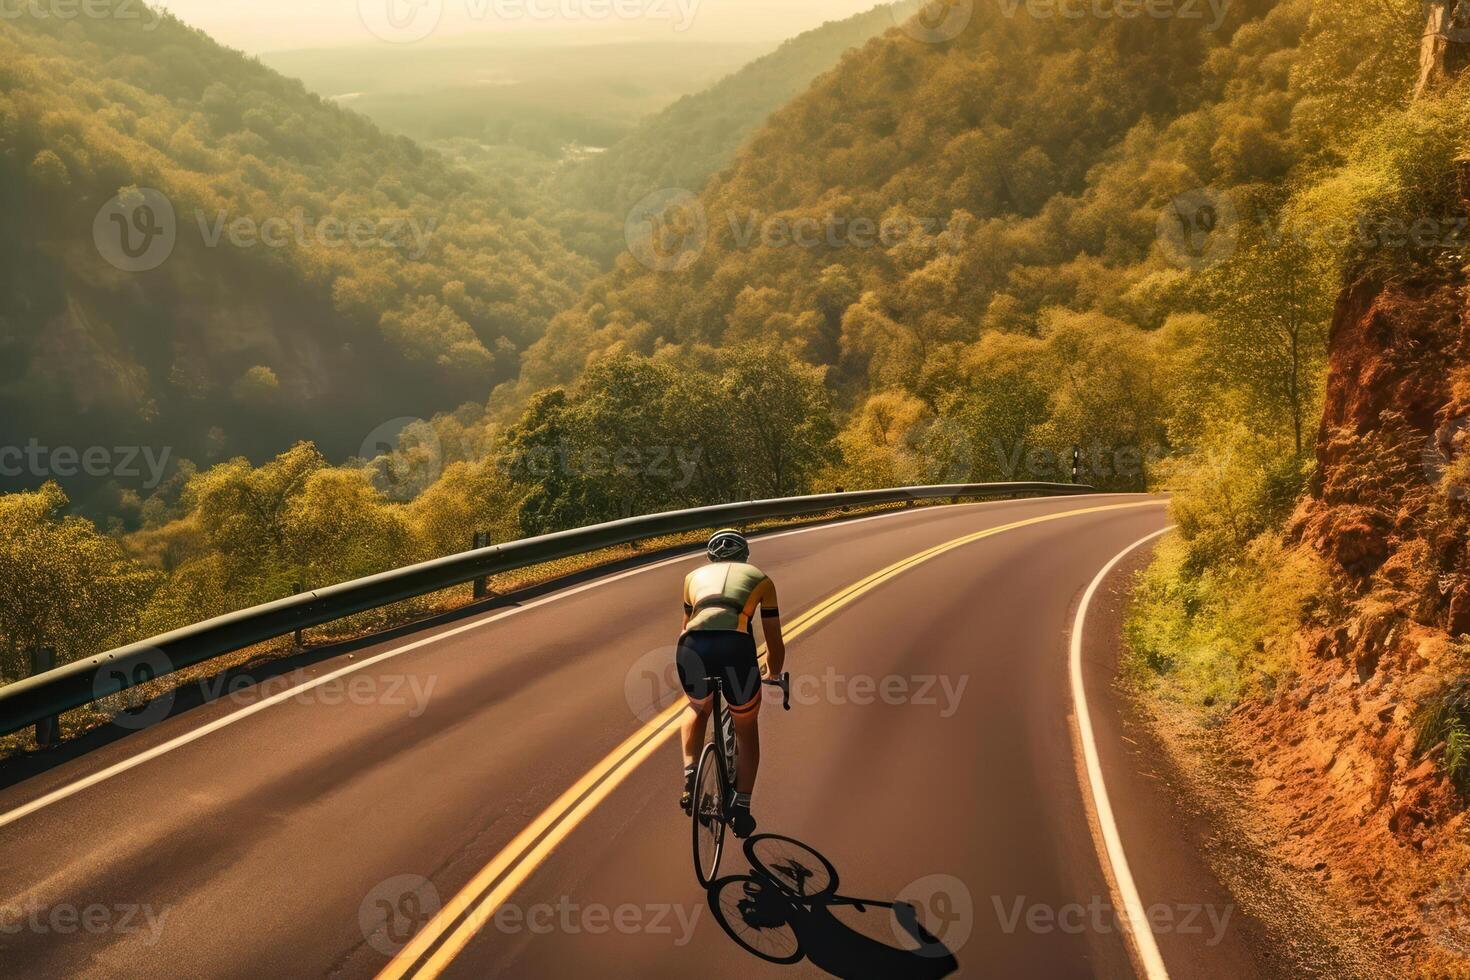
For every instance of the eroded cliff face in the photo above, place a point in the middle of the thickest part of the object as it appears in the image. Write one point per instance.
(1338, 767)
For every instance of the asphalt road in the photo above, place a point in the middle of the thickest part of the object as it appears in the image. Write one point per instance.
(930, 756)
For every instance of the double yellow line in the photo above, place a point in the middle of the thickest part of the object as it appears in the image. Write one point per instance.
(468, 911)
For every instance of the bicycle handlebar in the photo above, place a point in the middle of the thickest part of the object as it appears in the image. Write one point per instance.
(784, 683)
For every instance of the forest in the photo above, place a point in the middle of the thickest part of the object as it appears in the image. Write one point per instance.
(266, 322)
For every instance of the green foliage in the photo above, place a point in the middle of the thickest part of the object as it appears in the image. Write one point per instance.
(956, 190)
(1223, 633)
(92, 105)
(1272, 307)
(638, 435)
(1247, 364)
(1444, 721)
(1360, 59)
(1014, 408)
(1229, 491)
(62, 584)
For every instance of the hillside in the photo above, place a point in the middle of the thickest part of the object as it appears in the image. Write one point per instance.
(949, 191)
(298, 272)
(699, 134)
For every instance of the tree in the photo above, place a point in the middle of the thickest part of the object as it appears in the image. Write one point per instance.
(1273, 304)
(48, 170)
(62, 584)
(780, 409)
(469, 498)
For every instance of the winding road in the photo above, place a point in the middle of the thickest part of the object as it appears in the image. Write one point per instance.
(495, 795)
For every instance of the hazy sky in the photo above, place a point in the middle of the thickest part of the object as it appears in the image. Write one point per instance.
(265, 25)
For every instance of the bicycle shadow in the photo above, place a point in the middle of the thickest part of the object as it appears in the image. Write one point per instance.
(782, 912)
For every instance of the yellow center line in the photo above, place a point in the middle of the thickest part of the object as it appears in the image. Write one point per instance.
(498, 880)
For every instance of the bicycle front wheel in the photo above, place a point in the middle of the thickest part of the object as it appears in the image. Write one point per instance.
(708, 815)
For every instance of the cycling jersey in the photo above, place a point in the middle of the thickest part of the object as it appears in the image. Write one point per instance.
(724, 596)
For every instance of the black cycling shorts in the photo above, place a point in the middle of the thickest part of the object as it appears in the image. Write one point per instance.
(726, 654)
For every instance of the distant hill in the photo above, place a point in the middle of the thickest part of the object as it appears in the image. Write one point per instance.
(684, 144)
(540, 97)
(281, 268)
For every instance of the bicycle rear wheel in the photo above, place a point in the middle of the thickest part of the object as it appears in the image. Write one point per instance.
(708, 815)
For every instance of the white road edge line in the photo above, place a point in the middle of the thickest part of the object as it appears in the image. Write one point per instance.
(117, 769)
(1110, 847)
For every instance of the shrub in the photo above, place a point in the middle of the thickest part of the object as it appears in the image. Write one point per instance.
(1445, 720)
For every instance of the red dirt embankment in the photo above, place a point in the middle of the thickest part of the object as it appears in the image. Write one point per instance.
(1336, 765)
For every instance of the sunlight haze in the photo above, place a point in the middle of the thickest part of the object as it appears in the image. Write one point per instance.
(267, 25)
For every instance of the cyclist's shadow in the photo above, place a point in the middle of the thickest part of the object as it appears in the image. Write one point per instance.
(782, 912)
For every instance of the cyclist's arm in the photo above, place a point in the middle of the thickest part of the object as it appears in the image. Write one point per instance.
(771, 625)
(688, 607)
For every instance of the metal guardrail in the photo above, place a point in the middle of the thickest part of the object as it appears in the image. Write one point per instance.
(47, 694)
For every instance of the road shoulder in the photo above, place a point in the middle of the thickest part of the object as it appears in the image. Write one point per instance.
(1174, 846)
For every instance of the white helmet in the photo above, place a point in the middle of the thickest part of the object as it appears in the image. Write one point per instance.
(728, 545)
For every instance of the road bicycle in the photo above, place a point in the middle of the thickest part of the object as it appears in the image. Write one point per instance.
(714, 781)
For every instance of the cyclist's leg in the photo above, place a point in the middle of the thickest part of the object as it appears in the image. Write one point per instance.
(743, 680)
(691, 659)
(696, 726)
(748, 741)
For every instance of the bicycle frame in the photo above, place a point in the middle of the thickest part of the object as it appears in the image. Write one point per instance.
(723, 742)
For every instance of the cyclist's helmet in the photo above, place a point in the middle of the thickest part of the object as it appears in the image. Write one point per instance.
(728, 545)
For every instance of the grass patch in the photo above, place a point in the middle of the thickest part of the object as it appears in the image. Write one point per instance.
(1444, 720)
(1211, 637)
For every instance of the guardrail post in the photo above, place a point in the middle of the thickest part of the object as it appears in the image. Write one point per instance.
(482, 584)
(48, 730)
(300, 635)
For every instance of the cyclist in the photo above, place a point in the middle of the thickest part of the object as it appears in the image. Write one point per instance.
(720, 600)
